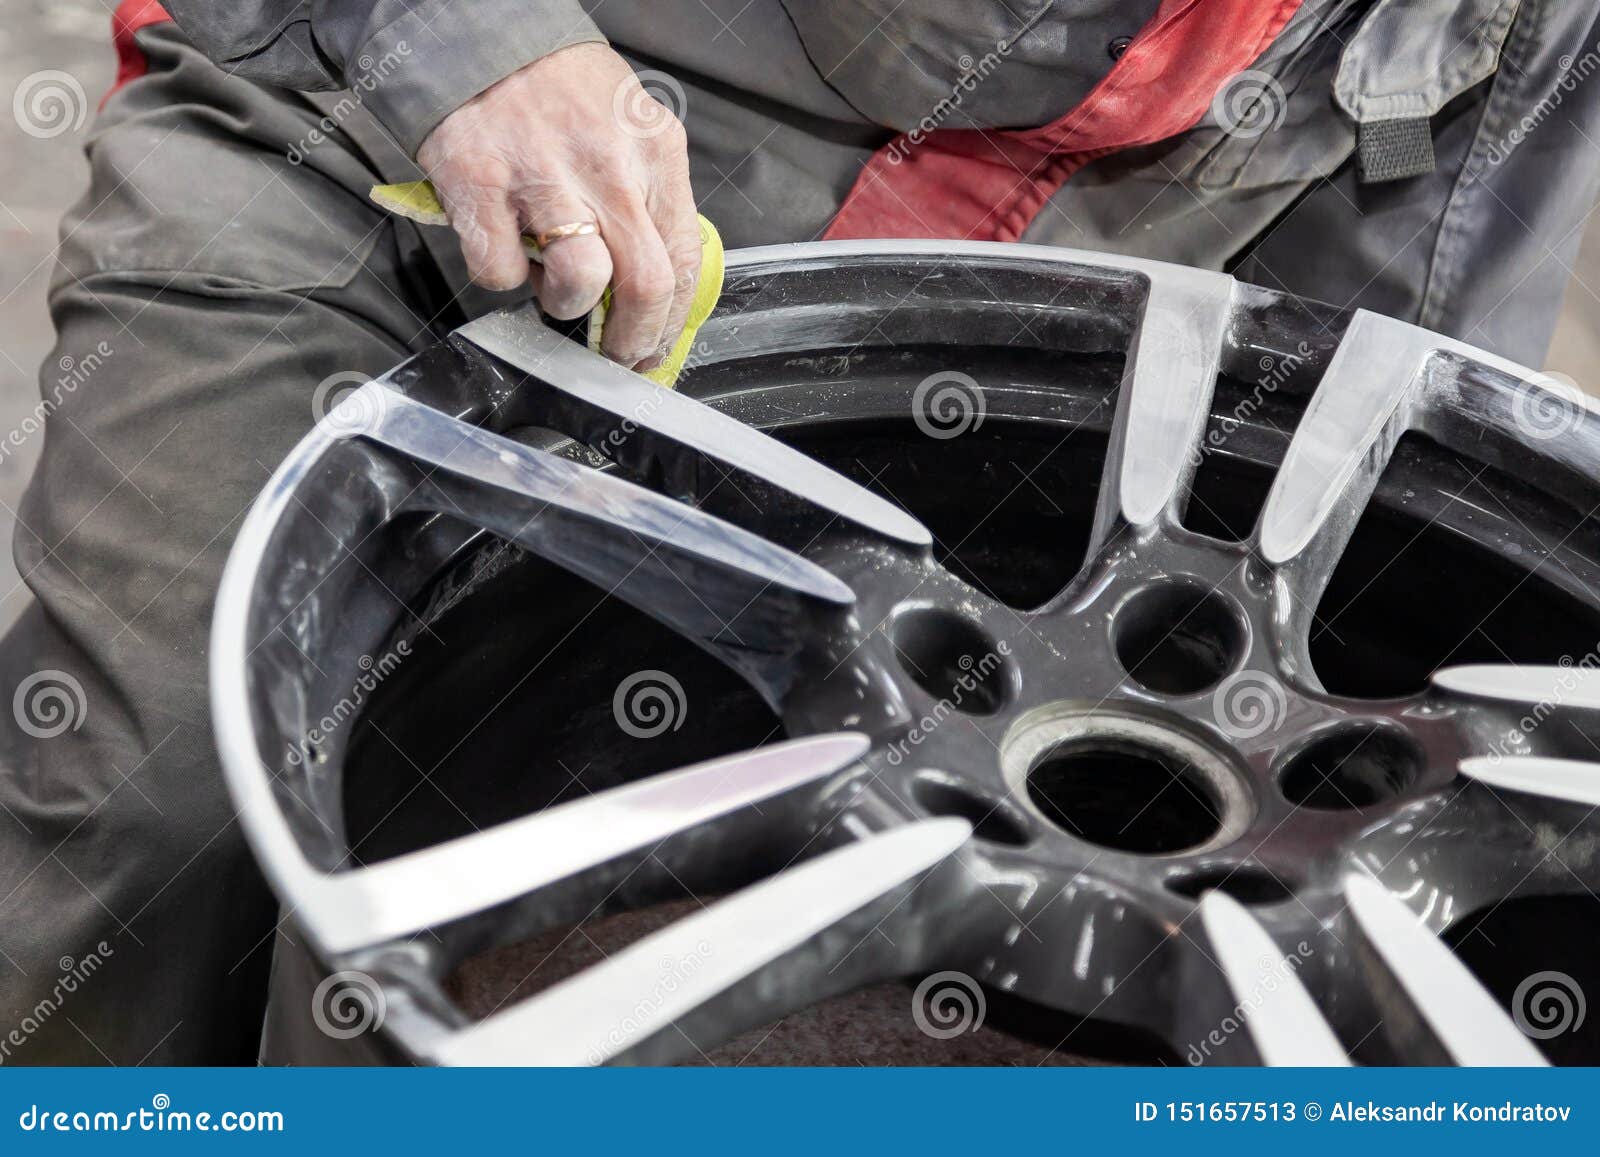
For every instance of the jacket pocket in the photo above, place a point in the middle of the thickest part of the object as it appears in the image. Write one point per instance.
(1339, 69)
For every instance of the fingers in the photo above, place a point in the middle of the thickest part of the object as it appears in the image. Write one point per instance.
(546, 147)
(679, 225)
(649, 255)
(643, 285)
(491, 240)
(576, 269)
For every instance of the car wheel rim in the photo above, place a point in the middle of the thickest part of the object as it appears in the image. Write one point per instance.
(1130, 791)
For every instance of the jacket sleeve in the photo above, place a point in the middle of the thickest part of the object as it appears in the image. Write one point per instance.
(412, 62)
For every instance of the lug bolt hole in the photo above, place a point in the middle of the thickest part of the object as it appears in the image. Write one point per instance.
(990, 819)
(952, 660)
(1178, 639)
(1125, 796)
(1246, 883)
(1352, 768)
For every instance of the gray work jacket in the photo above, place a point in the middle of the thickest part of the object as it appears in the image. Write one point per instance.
(1433, 159)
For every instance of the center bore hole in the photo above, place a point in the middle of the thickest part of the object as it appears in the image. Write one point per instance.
(1353, 768)
(1125, 796)
(1178, 639)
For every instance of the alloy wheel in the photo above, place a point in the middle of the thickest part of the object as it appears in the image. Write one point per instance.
(1133, 794)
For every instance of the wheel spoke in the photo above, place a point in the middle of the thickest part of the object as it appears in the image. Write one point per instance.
(1572, 780)
(1388, 377)
(1465, 1019)
(1537, 696)
(1365, 402)
(732, 591)
(594, 397)
(459, 878)
(1555, 687)
(1167, 387)
(1284, 1022)
(775, 929)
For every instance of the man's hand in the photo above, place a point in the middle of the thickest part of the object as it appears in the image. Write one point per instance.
(570, 138)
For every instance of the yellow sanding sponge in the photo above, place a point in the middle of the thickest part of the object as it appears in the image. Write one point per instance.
(417, 201)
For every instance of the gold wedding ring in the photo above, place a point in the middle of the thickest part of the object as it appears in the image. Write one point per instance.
(561, 232)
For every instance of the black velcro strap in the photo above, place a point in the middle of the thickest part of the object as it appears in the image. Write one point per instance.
(1394, 150)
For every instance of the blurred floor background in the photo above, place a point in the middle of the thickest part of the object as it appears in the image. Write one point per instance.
(41, 176)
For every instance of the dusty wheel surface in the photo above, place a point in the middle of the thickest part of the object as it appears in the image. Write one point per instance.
(1168, 667)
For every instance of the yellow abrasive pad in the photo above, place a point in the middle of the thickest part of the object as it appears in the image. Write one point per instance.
(417, 201)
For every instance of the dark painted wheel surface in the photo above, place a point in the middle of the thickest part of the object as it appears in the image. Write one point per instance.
(1148, 756)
